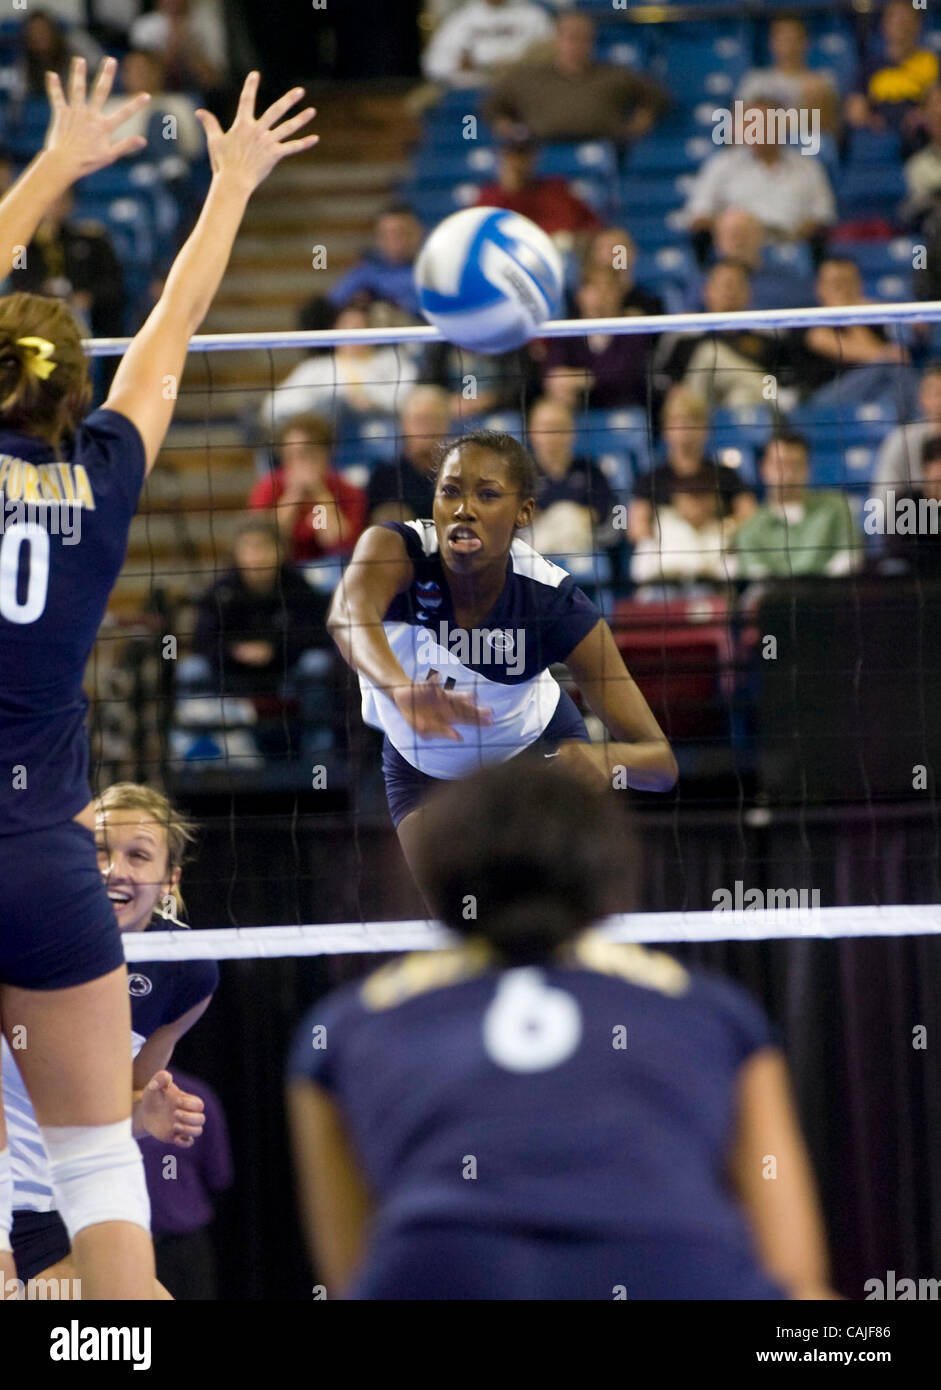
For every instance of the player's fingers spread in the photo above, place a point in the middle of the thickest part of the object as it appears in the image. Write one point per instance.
(77, 82)
(279, 108)
(131, 145)
(295, 123)
(103, 83)
(54, 92)
(298, 146)
(126, 110)
(246, 106)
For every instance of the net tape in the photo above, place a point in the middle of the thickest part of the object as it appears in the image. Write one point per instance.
(350, 938)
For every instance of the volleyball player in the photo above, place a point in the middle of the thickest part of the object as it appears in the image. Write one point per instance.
(455, 621)
(63, 983)
(141, 839)
(540, 1113)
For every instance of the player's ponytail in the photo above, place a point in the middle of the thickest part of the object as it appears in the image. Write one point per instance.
(44, 383)
(525, 856)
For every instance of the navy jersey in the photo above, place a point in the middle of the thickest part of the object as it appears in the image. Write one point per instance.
(63, 540)
(596, 1099)
(161, 992)
(539, 618)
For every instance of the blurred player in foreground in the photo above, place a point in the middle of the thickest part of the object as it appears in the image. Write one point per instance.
(140, 839)
(70, 484)
(539, 1113)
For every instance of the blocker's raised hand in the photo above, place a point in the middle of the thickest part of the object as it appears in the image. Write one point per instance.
(252, 146)
(80, 133)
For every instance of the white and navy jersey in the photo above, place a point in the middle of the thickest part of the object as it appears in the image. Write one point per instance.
(64, 523)
(539, 618)
(161, 992)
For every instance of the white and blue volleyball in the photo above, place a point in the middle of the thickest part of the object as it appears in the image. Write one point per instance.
(488, 279)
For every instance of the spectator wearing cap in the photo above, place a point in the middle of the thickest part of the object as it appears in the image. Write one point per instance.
(788, 192)
(318, 512)
(386, 271)
(572, 96)
(481, 36)
(549, 202)
(796, 531)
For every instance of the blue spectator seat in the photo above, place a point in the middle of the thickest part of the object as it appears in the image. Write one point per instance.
(647, 195)
(444, 167)
(618, 441)
(879, 257)
(596, 158)
(667, 154)
(653, 232)
(869, 147)
(431, 205)
(868, 191)
(707, 68)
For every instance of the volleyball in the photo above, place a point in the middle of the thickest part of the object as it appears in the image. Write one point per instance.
(488, 279)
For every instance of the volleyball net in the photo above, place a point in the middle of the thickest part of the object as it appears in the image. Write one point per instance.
(758, 522)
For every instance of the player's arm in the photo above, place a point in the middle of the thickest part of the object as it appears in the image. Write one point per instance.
(379, 569)
(782, 1202)
(334, 1201)
(640, 745)
(150, 1065)
(78, 142)
(145, 384)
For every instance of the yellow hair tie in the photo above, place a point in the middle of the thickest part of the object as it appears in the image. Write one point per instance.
(39, 355)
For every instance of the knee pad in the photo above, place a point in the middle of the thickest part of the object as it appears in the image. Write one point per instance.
(97, 1174)
(6, 1199)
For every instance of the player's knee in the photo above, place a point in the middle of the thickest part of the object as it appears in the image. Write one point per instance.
(97, 1175)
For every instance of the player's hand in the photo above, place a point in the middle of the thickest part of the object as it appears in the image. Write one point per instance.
(248, 151)
(166, 1112)
(433, 711)
(80, 134)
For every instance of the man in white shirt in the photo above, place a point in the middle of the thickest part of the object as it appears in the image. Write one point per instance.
(190, 37)
(480, 36)
(788, 192)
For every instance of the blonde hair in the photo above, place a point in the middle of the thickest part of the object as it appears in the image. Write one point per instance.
(181, 833)
(681, 398)
(47, 405)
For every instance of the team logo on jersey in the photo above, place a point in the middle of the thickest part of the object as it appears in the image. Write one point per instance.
(502, 645)
(429, 593)
(139, 985)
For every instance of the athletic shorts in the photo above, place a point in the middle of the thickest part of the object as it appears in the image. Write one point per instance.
(407, 788)
(39, 1240)
(57, 923)
(457, 1261)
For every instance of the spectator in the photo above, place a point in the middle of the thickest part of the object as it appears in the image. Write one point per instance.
(479, 383)
(354, 379)
(685, 426)
(688, 544)
(255, 623)
(855, 364)
(919, 548)
(789, 79)
(727, 368)
(75, 261)
(787, 192)
(739, 236)
(890, 91)
(796, 531)
(574, 501)
(182, 139)
(549, 202)
(405, 490)
(387, 272)
(107, 19)
(613, 248)
(483, 35)
(45, 46)
(598, 371)
(181, 1198)
(189, 36)
(318, 512)
(573, 97)
(900, 459)
(923, 170)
